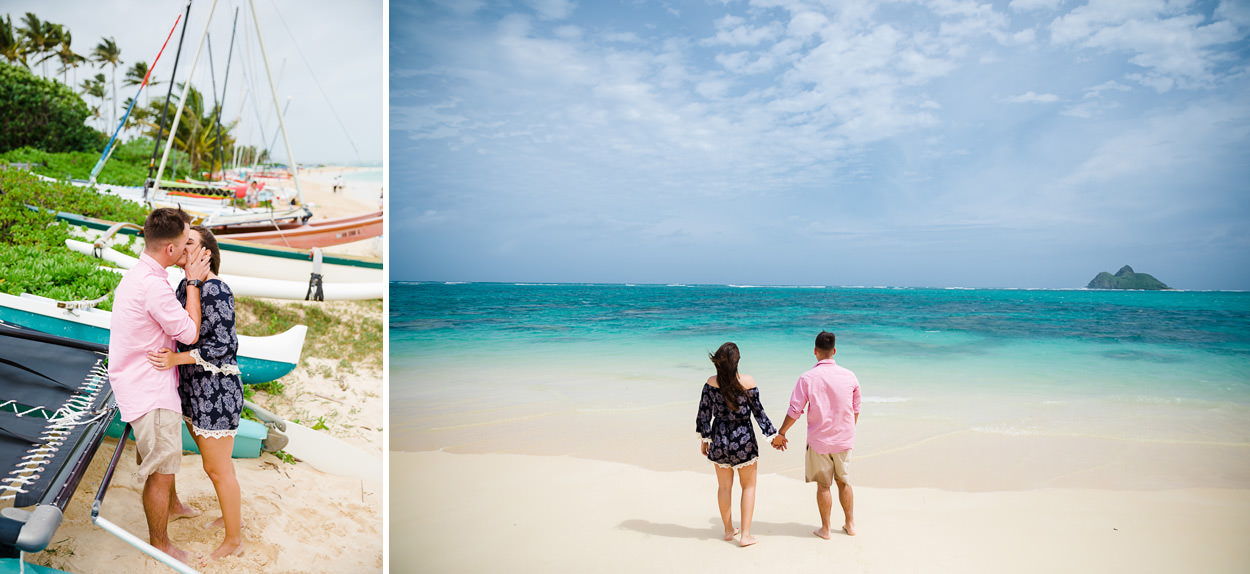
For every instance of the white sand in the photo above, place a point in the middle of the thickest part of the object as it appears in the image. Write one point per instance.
(513, 513)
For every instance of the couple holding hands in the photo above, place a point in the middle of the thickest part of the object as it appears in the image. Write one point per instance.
(830, 396)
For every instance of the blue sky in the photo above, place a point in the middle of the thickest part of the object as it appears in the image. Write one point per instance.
(1030, 143)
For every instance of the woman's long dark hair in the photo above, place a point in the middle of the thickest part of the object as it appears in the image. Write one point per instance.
(726, 360)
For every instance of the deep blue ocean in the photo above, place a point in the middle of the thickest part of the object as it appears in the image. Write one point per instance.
(1175, 357)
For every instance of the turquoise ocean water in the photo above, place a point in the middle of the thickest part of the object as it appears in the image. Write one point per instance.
(487, 357)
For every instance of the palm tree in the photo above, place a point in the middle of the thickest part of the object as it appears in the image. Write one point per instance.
(107, 52)
(37, 34)
(67, 56)
(94, 87)
(196, 135)
(135, 75)
(12, 44)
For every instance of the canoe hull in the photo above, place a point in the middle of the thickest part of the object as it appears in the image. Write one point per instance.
(261, 359)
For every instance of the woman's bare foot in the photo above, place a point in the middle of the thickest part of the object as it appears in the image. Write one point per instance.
(219, 523)
(184, 511)
(849, 529)
(747, 540)
(730, 535)
(227, 548)
(822, 532)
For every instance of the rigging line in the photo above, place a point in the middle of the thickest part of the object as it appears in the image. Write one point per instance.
(224, 82)
(173, 75)
(317, 82)
(108, 150)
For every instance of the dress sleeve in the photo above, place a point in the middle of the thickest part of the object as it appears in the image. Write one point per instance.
(703, 422)
(219, 344)
(757, 407)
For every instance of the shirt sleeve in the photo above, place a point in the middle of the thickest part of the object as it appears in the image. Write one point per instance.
(798, 399)
(757, 408)
(703, 421)
(163, 306)
(219, 344)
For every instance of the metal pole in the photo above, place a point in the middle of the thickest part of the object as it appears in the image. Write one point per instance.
(156, 144)
(182, 101)
(274, 90)
(224, 82)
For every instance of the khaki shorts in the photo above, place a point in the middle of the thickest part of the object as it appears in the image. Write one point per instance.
(823, 469)
(158, 443)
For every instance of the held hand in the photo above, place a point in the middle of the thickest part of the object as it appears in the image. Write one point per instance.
(703, 448)
(780, 442)
(198, 263)
(161, 360)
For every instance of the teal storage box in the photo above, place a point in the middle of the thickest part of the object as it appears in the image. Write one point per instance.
(246, 442)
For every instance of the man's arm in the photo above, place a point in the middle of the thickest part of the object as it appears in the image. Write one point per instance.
(780, 442)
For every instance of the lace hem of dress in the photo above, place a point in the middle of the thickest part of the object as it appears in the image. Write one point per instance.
(210, 433)
(739, 465)
(207, 366)
(705, 439)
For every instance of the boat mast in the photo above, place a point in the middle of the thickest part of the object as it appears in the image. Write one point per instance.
(156, 142)
(224, 82)
(274, 91)
(182, 101)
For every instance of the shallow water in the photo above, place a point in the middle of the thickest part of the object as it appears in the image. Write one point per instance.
(473, 363)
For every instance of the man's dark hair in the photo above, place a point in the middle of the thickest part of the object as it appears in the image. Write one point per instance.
(825, 341)
(164, 224)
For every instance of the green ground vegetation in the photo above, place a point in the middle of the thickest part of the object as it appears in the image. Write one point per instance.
(33, 256)
(348, 330)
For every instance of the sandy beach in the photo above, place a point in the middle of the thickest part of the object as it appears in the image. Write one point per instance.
(296, 518)
(499, 496)
(503, 513)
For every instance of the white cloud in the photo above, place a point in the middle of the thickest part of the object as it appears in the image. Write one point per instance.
(1030, 97)
(734, 31)
(1175, 49)
(551, 9)
(1034, 5)
(622, 38)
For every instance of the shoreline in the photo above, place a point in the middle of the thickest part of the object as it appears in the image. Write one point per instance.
(570, 514)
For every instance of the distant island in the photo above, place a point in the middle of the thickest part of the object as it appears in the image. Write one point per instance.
(1125, 278)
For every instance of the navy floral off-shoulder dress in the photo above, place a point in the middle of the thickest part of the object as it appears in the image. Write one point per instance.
(728, 431)
(211, 389)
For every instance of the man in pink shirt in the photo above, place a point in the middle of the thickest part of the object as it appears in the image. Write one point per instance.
(147, 317)
(830, 394)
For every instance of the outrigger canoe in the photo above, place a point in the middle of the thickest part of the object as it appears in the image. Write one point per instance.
(243, 286)
(324, 233)
(261, 359)
(242, 258)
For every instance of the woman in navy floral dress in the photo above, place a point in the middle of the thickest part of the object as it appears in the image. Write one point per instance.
(211, 390)
(724, 425)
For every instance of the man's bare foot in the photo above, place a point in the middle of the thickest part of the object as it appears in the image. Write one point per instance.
(747, 540)
(176, 553)
(227, 548)
(849, 529)
(822, 532)
(184, 511)
(730, 535)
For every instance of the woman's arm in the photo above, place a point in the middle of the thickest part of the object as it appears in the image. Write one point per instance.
(165, 359)
(703, 421)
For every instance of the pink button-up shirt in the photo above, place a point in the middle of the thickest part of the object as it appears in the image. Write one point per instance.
(146, 317)
(830, 394)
